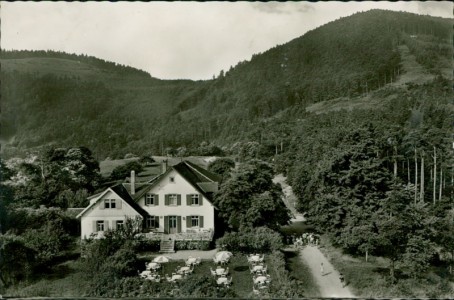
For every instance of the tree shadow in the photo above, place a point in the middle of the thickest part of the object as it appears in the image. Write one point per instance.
(241, 268)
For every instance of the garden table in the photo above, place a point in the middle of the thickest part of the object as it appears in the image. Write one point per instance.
(176, 277)
(145, 273)
(260, 279)
(221, 280)
(257, 268)
(220, 271)
(183, 270)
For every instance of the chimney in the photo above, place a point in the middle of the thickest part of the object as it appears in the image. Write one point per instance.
(133, 182)
(164, 166)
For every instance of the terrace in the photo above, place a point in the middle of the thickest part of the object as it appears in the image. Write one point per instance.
(190, 235)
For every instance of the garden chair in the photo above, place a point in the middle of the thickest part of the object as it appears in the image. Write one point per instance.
(198, 261)
(228, 282)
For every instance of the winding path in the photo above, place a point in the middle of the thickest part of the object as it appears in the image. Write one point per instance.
(328, 282)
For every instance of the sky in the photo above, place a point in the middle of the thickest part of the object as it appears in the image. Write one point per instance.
(177, 40)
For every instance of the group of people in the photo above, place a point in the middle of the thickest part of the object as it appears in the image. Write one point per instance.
(305, 239)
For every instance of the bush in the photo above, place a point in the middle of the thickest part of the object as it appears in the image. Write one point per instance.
(192, 245)
(261, 239)
(282, 286)
(144, 244)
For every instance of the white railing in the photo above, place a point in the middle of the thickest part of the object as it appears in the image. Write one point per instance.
(190, 235)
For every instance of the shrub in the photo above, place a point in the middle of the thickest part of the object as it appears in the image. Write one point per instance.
(144, 244)
(261, 239)
(282, 285)
(192, 245)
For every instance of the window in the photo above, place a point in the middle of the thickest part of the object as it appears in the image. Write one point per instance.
(120, 224)
(152, 222)
(194, 199)
(109, 203)
(99, 225)
(150, 199)
(173, 199)
(172, 179)
(194, 221)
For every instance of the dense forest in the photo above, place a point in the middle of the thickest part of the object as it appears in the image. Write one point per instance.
(115, 110)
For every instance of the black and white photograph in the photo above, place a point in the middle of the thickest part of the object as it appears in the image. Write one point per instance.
(237, 150)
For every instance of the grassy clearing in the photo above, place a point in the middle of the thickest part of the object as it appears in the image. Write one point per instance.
(65, 280)
(300, 271)
(371, 279)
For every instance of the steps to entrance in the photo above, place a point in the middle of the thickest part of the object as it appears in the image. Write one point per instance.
(167, 246)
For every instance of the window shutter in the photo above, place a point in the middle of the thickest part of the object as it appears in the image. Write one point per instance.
(156, 199)
(166, 199)
(118, 203)
(106, 225)
(95, 227)
(166, 224)
(102, 204)
(201, 221)
(179, 224)
(114, 224)
(188, 222)
(156, 220)
(179, 200)
(188, 200)
(200, 199)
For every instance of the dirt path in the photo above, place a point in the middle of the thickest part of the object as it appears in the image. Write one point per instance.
(329, 283)
(289, 198)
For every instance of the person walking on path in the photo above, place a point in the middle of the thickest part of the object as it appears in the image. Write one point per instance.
(341, 278)
(321, 269)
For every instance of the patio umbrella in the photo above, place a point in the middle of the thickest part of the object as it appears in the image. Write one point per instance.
(161, 259)
(223, 255)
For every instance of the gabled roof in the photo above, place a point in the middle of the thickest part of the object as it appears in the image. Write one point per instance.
(202, 180)
(121, 191)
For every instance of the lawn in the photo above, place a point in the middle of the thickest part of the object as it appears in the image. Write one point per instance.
(65, 280)
(300, 271)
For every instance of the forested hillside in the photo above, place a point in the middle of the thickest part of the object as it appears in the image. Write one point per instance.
(66, 99)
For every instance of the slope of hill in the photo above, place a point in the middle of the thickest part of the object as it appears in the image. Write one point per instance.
(66, 99)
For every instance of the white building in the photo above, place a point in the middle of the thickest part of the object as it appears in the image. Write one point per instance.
(178, 203)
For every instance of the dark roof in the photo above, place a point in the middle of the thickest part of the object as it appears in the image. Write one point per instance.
(202, 180)
(194, 173)
(207, 174)
(121, 191)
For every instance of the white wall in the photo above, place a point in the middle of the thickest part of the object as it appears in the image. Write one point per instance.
(95, 213)
(182, 187)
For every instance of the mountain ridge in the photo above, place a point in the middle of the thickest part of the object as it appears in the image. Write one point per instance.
(116, 109)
